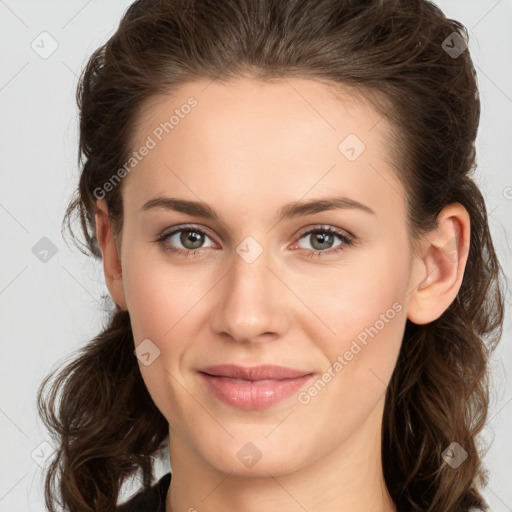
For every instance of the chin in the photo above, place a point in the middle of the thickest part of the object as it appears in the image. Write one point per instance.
(255, 456)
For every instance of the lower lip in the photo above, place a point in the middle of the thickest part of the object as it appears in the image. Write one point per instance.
(247, 394)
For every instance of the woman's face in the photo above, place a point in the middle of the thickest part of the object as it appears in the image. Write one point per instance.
(254, 286)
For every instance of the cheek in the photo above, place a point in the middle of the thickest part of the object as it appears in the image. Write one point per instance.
(160, 296)
(165, 307)
(364, 315)
(368, 291)
(160, 304)
(360, 357)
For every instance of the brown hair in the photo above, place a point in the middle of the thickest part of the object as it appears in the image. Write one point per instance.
(391, 51)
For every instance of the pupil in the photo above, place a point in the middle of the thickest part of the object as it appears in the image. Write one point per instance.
(323, 239)
(191, 239)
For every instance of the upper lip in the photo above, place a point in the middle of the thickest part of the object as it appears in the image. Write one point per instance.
(262, 372)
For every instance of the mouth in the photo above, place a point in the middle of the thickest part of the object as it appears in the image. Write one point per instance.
(256, 387)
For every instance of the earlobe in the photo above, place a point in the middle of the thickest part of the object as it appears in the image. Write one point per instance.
(439, 268)
(111, 260)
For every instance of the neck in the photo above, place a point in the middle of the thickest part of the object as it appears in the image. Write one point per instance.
(348, 478)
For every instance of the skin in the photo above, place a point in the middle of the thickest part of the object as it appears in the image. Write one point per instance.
(247, 149)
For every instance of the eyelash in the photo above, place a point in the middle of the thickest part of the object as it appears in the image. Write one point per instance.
(346, 239)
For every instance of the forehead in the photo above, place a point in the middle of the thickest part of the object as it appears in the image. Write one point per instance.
(235, 106)
(283, 136)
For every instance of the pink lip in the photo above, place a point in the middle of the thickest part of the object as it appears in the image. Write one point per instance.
(254, 387)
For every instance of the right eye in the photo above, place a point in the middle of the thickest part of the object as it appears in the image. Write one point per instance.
(189, 237)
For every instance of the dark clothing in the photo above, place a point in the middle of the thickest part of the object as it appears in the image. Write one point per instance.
(149, 500)
(153, 499)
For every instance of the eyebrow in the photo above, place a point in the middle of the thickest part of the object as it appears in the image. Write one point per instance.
(288, 211)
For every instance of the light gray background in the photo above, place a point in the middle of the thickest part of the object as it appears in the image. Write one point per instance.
(49, 309)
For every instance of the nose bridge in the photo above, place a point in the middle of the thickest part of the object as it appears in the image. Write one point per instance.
(250, 275)
(250, 303)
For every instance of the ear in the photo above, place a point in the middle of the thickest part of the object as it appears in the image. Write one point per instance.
(439, 267)
(111, 260)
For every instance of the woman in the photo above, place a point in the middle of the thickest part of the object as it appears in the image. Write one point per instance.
(306, 288)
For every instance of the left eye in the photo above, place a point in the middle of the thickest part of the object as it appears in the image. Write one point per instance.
(322, 239)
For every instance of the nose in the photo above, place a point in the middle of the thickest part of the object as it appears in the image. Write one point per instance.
(252, 302)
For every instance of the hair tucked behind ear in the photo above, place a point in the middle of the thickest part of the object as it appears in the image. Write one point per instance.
(391, 52)
(438, 393)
